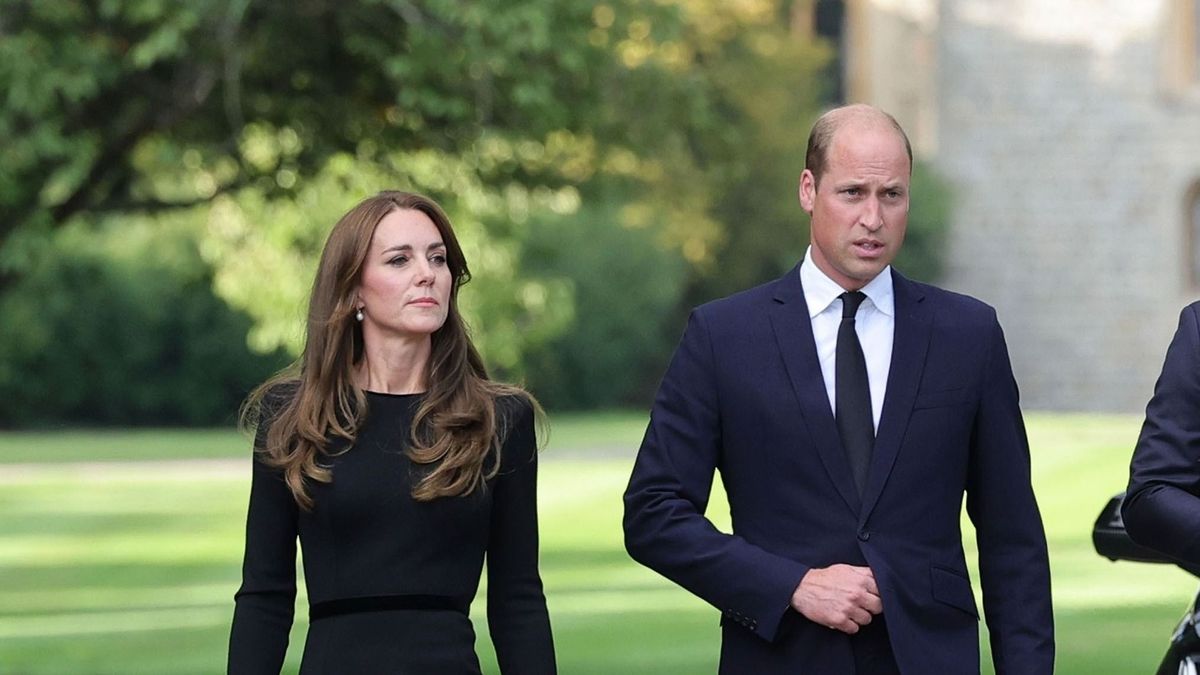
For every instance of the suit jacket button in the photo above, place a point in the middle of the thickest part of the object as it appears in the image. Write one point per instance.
(864, 536)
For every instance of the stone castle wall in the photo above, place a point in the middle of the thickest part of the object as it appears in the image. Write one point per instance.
(1071, 159)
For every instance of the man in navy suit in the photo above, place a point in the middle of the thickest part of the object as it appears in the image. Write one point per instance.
(1161, 508)
(849, 410)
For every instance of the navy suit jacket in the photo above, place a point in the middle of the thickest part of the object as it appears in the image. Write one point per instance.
(744, 395)
(1161, 508)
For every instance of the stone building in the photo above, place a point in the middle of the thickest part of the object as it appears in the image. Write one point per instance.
(1070, 130)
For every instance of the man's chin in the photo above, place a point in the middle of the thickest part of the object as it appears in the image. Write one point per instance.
(864, 272)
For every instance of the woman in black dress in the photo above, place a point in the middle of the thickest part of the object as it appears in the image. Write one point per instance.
(398, 464)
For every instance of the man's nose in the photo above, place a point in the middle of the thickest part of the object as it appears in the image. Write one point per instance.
(872, 215)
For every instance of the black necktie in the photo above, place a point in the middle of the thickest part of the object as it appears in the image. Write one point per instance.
(852, 393)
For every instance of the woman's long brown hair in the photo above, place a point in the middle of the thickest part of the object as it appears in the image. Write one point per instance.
(456, 431)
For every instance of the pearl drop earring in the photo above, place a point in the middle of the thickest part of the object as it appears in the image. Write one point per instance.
(358, 314)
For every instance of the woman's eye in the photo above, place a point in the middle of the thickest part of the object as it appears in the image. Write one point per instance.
(438, 259)
(398, 260)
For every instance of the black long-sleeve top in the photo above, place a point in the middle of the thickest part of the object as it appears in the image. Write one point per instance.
(367, 537)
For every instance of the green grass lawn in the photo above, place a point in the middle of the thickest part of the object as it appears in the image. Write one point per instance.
(130, 566)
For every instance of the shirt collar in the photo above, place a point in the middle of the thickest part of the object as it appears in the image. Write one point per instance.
(820, 291)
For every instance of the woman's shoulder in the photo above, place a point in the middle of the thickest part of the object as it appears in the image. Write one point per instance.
(513, 400)
(516, 429)
(514, 406)
(274, 397)
(267, 404)
(279, 393)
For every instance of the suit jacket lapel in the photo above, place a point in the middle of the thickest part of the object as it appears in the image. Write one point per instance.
(909, 347)
(793, 332)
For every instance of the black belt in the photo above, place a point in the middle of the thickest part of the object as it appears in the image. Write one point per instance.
(384, 603)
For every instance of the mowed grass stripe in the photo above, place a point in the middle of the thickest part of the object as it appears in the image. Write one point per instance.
(101, 565)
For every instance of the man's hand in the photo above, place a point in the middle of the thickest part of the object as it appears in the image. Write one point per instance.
(841, 597)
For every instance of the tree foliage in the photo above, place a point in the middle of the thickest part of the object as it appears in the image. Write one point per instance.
(605, 164)
(101, 96)
(118, 325)
(625, 289)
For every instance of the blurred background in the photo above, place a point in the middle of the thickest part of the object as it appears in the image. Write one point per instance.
(169, 171)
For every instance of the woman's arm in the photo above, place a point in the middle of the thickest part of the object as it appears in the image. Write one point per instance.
(517, 616)
(266, 601)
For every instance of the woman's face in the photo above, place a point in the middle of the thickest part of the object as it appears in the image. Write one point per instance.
(404, 288)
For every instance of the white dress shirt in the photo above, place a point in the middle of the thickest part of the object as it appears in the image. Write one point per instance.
(875, 324)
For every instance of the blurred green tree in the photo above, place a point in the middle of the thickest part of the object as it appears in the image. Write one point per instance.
(143, 106)
(118, 325)
(922, 256)
(608, 164)
(625, 286)
(280, 115)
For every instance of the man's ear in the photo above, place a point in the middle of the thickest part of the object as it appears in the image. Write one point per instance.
(808, 191)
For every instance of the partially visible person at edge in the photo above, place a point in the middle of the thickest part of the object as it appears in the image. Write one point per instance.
(849, 409)
(1162, 503)
(398, 464)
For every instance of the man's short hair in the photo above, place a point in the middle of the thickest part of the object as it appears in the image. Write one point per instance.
(826, 126)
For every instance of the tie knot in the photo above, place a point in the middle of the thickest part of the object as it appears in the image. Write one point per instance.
(850, 302)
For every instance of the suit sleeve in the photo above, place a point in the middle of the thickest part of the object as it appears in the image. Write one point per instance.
(266, 601)
(668, 492)
(516, 606)
(1161, 508)
(1013, 561)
